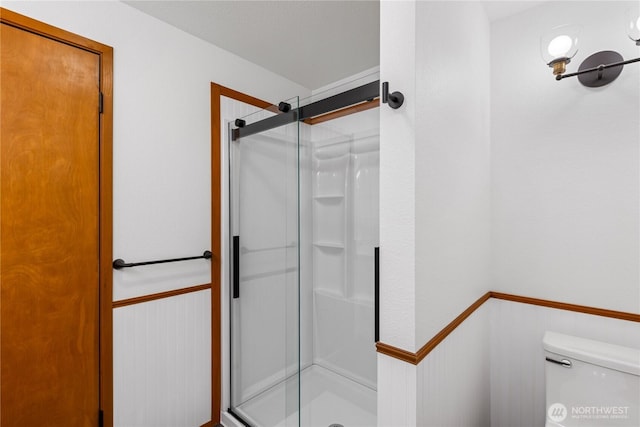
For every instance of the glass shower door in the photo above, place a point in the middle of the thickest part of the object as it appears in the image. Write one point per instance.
(264, 216)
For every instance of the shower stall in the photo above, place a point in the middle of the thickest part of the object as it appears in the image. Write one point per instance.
(304, 228)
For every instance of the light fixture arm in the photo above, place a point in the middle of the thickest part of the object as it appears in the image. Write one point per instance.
(599, 69)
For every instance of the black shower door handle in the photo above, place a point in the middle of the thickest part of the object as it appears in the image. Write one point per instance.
(236, 266)
(376, 293)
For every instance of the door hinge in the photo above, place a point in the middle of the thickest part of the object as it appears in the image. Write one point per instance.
(101, 103)
(101, 418)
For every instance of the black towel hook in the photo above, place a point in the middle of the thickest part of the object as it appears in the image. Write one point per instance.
(395, 99)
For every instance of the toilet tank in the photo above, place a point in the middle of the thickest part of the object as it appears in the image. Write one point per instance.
(590, 383)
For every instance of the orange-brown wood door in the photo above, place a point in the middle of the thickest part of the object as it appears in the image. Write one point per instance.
(49, 232)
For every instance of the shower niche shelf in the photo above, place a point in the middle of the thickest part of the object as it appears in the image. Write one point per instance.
(328, 197)
(331, 245)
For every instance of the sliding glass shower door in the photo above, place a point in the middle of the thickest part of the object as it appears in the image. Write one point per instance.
(264, 217)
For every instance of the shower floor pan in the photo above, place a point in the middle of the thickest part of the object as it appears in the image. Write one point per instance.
(327, 398)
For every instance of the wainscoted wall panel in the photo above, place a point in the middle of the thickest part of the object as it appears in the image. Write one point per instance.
(148, 339)
(453, 380)
(397, 392)
(517, 356)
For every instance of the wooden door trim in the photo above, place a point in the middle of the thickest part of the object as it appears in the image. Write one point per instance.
(105, 54)
(218, 91)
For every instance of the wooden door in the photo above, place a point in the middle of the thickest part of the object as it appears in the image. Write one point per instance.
(49, 232)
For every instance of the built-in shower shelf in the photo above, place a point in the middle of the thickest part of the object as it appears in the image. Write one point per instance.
(359, 300)
(333, 245)
(329, 196)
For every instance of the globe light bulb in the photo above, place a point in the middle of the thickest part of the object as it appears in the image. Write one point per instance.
(633, 30)
(558, 46)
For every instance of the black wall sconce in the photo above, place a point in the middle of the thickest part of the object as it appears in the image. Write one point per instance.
(394, 100)
(560, 45)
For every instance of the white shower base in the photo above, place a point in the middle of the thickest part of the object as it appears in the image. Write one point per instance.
(327, 398)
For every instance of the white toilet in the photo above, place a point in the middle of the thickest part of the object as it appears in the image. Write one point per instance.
(590, 383)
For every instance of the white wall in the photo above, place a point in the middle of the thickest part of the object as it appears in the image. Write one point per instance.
(547, 171)
(434, 170)
(565, 197)
(162, 192)
(450, 387)
(434, 211)
(565, 163)
(454, 380)
(517, 357)
(489, 370)
(452, 193)
(397, 177)
(564, 205)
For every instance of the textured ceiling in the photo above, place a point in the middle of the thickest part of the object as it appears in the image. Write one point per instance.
(310, 42)
(502, 9)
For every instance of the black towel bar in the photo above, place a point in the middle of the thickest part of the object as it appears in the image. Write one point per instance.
(119, 263)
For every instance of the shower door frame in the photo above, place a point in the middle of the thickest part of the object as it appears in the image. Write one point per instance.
(315, 113)
(217, 92)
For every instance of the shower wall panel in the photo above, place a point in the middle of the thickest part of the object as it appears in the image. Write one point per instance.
(345, 232)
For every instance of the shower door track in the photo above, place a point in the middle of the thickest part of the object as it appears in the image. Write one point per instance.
(239, 418)
(348, 98)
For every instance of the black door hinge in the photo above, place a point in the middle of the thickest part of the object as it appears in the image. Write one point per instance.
(101, 418)
(101, 103)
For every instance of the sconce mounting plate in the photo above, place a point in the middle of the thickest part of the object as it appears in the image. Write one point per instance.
(600, 77)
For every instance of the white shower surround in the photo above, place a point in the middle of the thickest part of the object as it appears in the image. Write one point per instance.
(345, 233)
(339, 224)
